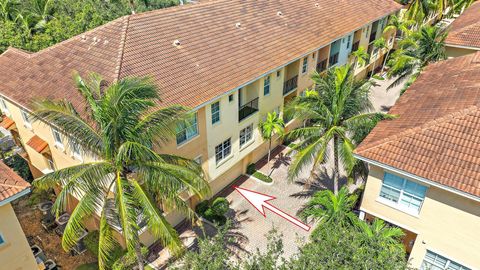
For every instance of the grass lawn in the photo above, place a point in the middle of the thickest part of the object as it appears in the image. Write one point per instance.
(263, 177)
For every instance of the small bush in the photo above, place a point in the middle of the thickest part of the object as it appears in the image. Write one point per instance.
(220, 206)
(263, 177)
(202, 207)
(128, 260)
(251, 169)
(91, 242)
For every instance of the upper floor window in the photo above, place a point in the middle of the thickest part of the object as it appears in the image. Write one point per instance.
(349, 40)
(404, 194)
(279, 73)
(26, 119)
(187, 129)
(266, 86)
(3, 106)
(57, 137)
(305, 65)
(230, 98)
(433, 261)
(223, 150)
(215, 112)
(246, 135)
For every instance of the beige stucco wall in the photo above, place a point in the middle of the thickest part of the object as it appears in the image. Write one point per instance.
(448, 224)
(15, 254)
(456, 52)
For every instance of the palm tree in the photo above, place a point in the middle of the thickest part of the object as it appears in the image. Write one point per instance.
(360, 57)
(326, 207)
(128, 181)
(416, 51)
(273, 124)
(380, 44)
(8, 9)
(381, 233)
(335, 111)
(400, 26)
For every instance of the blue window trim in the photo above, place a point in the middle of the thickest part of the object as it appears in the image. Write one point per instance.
(403, 194)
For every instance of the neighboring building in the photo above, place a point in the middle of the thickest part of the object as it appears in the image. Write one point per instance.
(14, 249)
(231, 62)
(464, 33)
(425, 166)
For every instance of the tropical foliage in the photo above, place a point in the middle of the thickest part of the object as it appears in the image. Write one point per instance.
(272, 125)
(421, 10)
(361, 57)
(336, 110)
(36, 24)
(127, 183)
(417, 50)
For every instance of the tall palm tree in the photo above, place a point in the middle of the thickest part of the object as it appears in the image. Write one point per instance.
(128, 181)
(335, 111)
(416, 51)
(273, 124)
(400, 26)
(380, 44)
(9, 9)
(326, 207)
(360, 57)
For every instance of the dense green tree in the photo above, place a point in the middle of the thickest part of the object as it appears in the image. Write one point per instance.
(272, 125)
(128, 181)
(335, 111)
(360, 57)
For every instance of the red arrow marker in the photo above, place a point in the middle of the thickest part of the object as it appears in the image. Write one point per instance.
(260, 202)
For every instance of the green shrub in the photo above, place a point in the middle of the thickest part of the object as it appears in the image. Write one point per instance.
(251, 169)
(202, 207)
(20, 166)
(128, 260)
(263, 177)
(91, 242)
(220, 206)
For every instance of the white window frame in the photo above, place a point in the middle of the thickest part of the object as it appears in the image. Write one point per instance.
(436, 264)
(198, 160)
(193, 122)
(266, 85)
(58, 140)
(223, 150)
(4, 107)
(397, 205)
(215, 114)
(349, 39)
(26, 119)
(305, 65)
(246, 136)
(51, 164)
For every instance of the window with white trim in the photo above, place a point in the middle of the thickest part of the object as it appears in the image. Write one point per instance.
(246, 135)
(223, 150)
(187, 130)
(266, 86)
(349, 40)
(57, 137)
(305, 65)
(403, 194)
(215, 112)
(433, 261)
(2, 240)
(4, 107)
(26, 119)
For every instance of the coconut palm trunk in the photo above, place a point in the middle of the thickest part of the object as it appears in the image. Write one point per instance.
(385, 60)
(336, 170)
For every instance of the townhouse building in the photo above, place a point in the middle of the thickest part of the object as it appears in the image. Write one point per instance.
(425, 168)
(14, 248)
(230, 62)
(464, 33)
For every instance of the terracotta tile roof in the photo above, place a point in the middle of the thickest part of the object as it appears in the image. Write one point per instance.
(214, 56)
(437, 134)
(37, 144)
(7, 122)
(10, 183)
(465, 30)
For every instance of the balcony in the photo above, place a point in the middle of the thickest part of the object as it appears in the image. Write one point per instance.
(334, 59)
(248, 109)
(290, 85)
(322, 66)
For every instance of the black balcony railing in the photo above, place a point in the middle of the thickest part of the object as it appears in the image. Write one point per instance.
(373, 35)
(248, 109)
(334, 59)
(322, 65)
(355, 46)
(289, 85)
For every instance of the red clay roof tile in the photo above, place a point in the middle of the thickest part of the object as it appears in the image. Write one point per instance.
(37, 144)
(465, 30)
(10, 182)
(7, 122)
